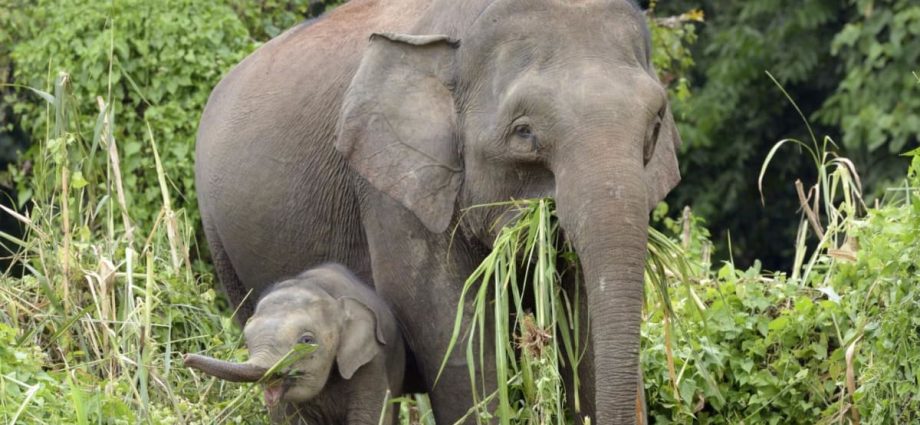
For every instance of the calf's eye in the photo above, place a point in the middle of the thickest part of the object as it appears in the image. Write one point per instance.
(306, 339)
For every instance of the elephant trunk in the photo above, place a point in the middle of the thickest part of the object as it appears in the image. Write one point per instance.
(228, 371)
(603, 209)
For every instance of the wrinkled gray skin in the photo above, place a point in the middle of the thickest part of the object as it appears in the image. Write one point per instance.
(359, 352)
(332, 144)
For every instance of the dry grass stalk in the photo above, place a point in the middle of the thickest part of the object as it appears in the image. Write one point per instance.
(172, 224)
(109, 140)
(810, 212)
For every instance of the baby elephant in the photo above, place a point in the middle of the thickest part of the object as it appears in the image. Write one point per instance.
(358, 352)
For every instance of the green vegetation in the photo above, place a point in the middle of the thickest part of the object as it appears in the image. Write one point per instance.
(849, 63)
(166, 57)
(878, 47)
(267, 18)
(528, 356)
(94, 330)
(834, 340)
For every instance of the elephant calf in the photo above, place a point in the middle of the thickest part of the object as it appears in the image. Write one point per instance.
(359, 352)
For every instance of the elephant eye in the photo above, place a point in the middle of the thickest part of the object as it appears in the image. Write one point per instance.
(523, 131)
(650, 141)
(306, 339)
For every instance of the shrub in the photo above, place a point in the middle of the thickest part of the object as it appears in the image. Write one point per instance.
(836, 340)
(881, 291)
(265, 19)
(878, 48)
(166, 58)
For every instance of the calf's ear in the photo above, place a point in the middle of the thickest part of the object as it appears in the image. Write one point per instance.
(360, 339)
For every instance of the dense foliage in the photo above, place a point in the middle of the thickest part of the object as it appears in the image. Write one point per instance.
(167, 58)
(878, 49)
(267, 18)
(767, 348)
(836, 339)
(848, 64)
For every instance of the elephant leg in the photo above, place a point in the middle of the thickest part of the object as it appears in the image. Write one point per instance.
(427, 327)
(230, 282)
(422, 283)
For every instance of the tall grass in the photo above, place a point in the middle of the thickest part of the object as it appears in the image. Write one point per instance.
(530, 388)
(829, 207)
(96, 322)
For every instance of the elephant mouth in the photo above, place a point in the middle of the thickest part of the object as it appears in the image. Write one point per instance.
(274, 392)
(276, 388)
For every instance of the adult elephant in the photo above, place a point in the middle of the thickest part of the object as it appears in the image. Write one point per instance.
(350, 140)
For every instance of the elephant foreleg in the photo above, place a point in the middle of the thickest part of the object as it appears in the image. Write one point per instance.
(423, 284)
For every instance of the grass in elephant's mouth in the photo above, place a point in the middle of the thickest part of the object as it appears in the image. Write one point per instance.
(517, 292)
(281, 369)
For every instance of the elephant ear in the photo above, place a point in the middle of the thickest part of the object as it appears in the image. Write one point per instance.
(398, 126)
(662, 172)
(361, 337)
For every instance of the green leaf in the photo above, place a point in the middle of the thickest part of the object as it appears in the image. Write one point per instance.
(77, 181)
(779, 323)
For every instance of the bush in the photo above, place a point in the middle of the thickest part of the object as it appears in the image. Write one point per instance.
(882, 295)
(165, 59)
(878, 48)
(267, 18)
(836, 340)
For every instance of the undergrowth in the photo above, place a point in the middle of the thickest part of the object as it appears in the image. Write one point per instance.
(93, 329)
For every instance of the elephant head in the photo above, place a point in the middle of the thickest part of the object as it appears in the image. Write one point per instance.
(345, 332)
(537, 98)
